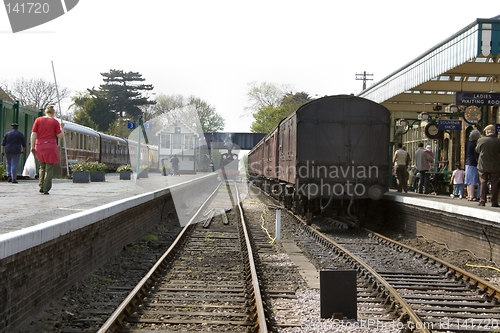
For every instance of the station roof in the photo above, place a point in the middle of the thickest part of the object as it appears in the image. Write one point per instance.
(468, 61)
(4, 96)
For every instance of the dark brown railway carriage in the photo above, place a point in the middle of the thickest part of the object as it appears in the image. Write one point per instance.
(337, 139)
(270, 153)
(256, 160)
(114, 151)
(329, 150)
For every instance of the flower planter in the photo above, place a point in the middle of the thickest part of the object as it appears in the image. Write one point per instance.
(81, 176)
(97, 176)
(125, 175)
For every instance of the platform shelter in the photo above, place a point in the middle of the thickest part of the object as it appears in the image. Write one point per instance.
(440, 96)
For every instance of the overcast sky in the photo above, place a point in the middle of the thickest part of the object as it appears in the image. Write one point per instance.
(212, 49)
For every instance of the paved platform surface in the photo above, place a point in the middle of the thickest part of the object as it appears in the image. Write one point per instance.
(22, 206)
(447, 204)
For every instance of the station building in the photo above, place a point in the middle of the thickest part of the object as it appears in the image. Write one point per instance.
(445, 93)
(183, 141)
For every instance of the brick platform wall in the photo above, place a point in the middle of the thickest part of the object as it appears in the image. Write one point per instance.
(30, 279)
(458, 232)
(37, 275)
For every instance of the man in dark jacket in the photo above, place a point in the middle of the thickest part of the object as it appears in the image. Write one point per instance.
(13, 145)
(175, 165)
(422, 161)
(488, 164)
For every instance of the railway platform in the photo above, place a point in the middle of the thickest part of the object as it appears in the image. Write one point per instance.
(446, 204)
(22, 206)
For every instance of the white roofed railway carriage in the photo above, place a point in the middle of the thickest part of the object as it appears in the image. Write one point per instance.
(148, 156)
(113, 151)
(82, 144)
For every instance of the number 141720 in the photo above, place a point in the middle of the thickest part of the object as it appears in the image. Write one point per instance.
(27, 7)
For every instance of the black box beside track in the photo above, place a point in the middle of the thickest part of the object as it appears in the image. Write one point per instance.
(338, 294)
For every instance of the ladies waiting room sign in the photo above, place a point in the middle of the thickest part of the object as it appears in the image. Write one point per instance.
(28, 14)
(478, 98)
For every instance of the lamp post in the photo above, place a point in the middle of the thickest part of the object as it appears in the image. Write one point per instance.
(139, 127)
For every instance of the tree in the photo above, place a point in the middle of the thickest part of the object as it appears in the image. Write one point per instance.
(177, 107)
(264, 94)
(119, 128)
(292, 101)
(35, 93)
(123, 90)
(210, 120)
(268, 117)
(163, 105)
(81, 117)
(93, 111)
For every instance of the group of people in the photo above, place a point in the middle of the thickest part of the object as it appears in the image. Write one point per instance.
(482, 166)
(43, 145)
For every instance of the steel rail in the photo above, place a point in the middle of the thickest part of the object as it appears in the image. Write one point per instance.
(119, 313)
(459, 273)
(417, 322)
(261, 317)
(406, 308)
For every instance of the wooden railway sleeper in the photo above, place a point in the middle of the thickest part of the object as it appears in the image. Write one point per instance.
(403, 317)
(450, 273)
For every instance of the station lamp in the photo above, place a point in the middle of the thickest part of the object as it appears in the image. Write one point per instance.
(423, 116)
(402, 122)
(452, 108)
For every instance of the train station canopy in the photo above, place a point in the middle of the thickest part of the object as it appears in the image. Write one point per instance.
(468, 61)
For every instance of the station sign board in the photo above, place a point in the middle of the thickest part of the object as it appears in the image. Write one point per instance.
(131, 125)
(478, 98)
(449, 125)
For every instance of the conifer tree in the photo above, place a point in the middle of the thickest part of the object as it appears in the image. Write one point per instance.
(124, 92)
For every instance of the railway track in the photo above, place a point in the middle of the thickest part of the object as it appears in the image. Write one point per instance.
(205, 281)
(407, 287)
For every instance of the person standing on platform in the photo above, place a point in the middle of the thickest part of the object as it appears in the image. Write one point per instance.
(428, 149)
(471, 174)
(422, 161)
(44, 146)
(488, 164)
(457, 179)
(401, 161)
(175, 164)
(13, 145)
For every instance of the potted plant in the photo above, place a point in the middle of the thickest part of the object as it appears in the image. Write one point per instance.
(3, 172)
(97, 171)
(81, 172)
(125, 172)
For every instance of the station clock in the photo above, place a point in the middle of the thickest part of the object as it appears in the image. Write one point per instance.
(472, 114)
(432, 131)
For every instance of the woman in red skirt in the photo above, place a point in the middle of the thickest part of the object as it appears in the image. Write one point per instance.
(44, 146)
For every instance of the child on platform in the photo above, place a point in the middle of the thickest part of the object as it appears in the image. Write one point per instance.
(457, 179)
